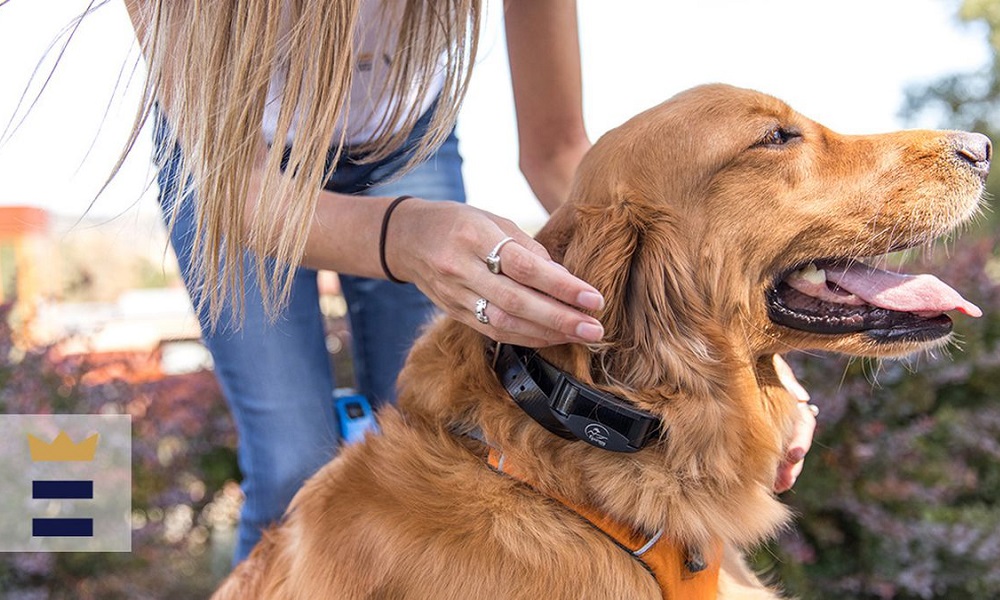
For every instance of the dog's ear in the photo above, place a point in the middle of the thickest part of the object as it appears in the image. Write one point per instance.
(558, 231)
(630, 249)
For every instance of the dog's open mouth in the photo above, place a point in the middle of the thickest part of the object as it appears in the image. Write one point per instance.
(839, 297)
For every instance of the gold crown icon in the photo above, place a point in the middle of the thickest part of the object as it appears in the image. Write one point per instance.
(62, 449)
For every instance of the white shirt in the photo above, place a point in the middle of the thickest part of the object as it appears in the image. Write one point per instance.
(373, 51)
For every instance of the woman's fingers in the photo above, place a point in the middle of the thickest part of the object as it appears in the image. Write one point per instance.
(788, 379)
(499, 321)
(460, 254)
(535, 271)
(527, 288)
(802, 434)
(491, 320)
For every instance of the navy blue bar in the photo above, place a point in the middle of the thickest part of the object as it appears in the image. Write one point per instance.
(62, 490)
(62, 528)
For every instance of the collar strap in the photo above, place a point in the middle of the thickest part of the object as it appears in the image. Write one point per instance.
(679, 571)
(569, 408)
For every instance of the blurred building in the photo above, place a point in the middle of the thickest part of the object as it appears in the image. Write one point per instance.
(24, 253)
(108, 292)
(99, 291)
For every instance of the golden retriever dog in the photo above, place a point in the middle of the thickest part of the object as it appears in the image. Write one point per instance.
(722, 228)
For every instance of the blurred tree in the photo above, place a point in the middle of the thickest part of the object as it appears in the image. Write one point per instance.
(900, 496)
(969, 101)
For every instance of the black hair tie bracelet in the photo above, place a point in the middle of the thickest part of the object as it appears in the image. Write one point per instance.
(381, 238)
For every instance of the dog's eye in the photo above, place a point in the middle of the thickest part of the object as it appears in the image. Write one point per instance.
(779, 136)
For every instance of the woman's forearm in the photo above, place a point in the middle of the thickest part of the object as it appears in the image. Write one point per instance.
(344, 234)
(441, 247)
(544, 53)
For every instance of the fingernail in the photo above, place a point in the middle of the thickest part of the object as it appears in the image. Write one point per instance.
(590, 332)
(590, 300)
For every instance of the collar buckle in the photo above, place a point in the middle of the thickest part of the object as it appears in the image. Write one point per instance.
(569, 408)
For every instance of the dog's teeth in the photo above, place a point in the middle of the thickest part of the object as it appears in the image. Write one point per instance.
(811, 274)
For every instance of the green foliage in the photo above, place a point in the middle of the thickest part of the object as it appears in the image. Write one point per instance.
(985, 11)
(969, 101)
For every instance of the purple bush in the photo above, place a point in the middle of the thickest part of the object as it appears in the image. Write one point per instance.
(899, 495)
(183, 472)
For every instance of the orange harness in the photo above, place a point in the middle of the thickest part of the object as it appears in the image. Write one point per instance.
(667, 562)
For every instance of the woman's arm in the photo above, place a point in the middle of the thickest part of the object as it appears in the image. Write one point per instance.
(544, 53)
(441, 247)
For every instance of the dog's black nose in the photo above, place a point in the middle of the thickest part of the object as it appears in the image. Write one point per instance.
(975, 149)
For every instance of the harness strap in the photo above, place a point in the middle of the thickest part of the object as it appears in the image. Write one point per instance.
(678, 575)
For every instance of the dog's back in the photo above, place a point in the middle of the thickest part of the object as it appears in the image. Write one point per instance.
(413, 513)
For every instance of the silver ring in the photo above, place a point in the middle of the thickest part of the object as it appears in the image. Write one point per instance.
(493, 258)
(481, 305)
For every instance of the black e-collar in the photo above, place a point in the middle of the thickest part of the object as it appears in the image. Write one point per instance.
(569, 408)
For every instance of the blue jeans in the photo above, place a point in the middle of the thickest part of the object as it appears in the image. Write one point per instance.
(277, 376)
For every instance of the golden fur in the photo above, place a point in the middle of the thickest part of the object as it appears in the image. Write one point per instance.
(682, 220)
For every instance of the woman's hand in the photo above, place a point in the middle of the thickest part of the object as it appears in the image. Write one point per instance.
(802, 435)
(533, 301)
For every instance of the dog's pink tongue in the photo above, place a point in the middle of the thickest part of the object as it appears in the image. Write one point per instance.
(900, 292)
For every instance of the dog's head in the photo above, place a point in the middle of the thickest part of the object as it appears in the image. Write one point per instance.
(722, 225)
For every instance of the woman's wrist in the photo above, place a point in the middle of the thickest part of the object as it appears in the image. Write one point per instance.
(386, 216)
(550, 172)
(404, 245)
(344, 235)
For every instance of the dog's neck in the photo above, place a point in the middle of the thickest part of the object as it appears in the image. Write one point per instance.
(699, 482)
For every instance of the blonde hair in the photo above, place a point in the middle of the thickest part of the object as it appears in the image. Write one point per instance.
(210, 65)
